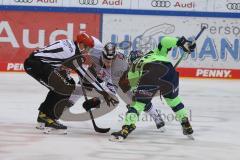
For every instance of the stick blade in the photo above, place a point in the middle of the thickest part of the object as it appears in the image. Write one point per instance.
(96, 128)
(101, 130)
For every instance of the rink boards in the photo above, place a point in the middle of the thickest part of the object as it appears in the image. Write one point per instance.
(217, 54)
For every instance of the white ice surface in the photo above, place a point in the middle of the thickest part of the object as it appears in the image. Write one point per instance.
(215, 113)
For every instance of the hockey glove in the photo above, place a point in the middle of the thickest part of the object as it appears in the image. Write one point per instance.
(91, 103)
(186, 45)
(124, 83)
(192, 47)
(109, 100)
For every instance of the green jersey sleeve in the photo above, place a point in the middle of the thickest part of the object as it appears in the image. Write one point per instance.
(169, 42)
(165, 45)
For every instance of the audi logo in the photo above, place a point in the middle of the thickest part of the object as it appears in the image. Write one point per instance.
(24, 1)
(233, 6)
(158, 3)
(88, 2)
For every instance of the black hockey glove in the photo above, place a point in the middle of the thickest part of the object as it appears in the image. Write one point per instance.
(91, 103)
(109, 100)
(192, 47)
(124, 83)
(186, 45)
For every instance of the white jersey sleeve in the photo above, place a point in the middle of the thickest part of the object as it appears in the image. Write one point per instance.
(96, 51)
(56, 53)
(119, 66)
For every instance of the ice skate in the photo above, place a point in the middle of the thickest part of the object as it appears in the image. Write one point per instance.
(159, 122)
(187, 128)
(49, 125)
(55, 128)
(161, 126)
(41, 121)
(122, 134)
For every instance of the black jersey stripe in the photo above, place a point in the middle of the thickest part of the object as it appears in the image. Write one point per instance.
(51, 59)
(52, 50)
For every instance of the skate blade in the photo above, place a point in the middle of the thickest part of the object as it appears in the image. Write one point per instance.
(48, 130)
(116, 139)
(190, 136)
(40, 126)
(162, 129)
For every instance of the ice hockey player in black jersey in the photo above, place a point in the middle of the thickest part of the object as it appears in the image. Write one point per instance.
(51, 67)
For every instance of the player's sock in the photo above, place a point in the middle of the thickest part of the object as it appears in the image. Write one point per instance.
(154, 112)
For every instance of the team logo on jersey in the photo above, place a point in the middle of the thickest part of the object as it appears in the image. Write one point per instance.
(233, 6)
(24, 1)
(88, 2)
(163, 4)
(102, 74)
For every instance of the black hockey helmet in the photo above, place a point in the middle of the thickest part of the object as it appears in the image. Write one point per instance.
(109, 51)
(133, 55)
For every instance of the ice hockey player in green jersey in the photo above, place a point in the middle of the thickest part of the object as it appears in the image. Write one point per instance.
(150, 74)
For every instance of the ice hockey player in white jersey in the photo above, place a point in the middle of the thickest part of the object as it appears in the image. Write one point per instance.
(104, 60)
(100, 59)
(51, 67)
(109, 64)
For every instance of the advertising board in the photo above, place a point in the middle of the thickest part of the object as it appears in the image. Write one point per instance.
(22, 32)
(217, 48)
(33, 2)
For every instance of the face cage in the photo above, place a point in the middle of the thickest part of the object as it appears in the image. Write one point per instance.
(106, 57)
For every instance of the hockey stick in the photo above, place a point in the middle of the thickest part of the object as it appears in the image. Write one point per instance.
(88, 76)
(96, 128)
(194, 41)
(93, 80)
